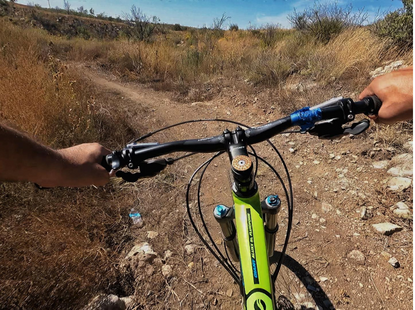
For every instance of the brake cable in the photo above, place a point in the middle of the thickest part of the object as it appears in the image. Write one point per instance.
(227, 264)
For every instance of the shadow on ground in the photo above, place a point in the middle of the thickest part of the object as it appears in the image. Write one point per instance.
(317, 293)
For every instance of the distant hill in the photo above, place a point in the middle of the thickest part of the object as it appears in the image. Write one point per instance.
(70, 24)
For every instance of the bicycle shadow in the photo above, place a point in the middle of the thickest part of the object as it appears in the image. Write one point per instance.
(319, 296)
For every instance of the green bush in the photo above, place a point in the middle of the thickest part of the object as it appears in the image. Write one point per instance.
(325, 21)
(397, 26)
(177, 27)
(233, 27)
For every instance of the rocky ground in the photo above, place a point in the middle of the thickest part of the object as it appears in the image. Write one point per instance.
(351, 243)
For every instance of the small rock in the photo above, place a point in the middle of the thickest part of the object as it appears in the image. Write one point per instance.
(323, 279)
(402, 210)
(106, 302)
(399, 184)
(386, 255)
(361, 195)
(314, 216)
(191, 265)
(308, 304)
(167, 254)
(400, 171)
(326, 207)
(128, 301)
(389, 68)
(405, 158)
(394, 262)
(383, 164)
(386, 228)
(152, 234)
(365, 214)
(409, 146)
(316, 162)
(338, 157)
(143, 250)
(229, 292)
(322, 220)
(332, 156)
(291, 150)
(190, 248)
(357, 256)
(166, 270)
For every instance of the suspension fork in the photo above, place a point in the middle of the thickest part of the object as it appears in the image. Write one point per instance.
(257, 285)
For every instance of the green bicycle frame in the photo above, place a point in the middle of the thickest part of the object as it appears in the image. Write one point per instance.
(255, 274)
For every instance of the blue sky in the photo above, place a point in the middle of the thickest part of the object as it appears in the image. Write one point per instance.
(198, 13)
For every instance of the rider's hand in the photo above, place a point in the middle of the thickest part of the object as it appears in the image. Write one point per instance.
(80, 167)
(395, 90)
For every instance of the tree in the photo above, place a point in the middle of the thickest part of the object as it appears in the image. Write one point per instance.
(397, 26)
(142, 26)
(82, 10)
(67, 6)
(324, 21)
(91, 11)
(218, 23)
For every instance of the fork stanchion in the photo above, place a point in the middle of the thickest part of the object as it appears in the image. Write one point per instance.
(224, 216)
(271, 207)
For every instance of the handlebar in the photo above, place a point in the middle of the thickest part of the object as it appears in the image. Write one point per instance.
(342, 111)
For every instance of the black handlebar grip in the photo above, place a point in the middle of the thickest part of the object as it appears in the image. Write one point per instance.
(105, 164)
(374, 104)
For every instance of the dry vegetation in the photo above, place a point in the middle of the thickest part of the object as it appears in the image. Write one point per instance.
(61, 243)
(57, 248)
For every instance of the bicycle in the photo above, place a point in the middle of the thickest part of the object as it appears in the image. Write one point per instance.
(250, 226)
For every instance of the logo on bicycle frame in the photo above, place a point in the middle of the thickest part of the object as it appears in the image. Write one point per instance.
(252, 246)
(260, 305)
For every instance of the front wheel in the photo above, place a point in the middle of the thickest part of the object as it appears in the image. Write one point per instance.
(295, 288)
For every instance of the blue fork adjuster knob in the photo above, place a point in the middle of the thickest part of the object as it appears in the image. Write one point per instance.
(220, 211)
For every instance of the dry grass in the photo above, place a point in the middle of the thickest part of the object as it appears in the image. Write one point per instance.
(351, 56)
(189, 59)
(57, 247)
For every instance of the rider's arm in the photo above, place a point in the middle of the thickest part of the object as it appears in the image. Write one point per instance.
(23, 159)
(395, 90)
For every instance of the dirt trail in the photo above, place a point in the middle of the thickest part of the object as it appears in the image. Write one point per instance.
(333, 182)
(159, 103)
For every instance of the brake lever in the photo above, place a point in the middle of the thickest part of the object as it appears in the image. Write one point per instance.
(333, 129)
(148, 169)
(357, 128)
